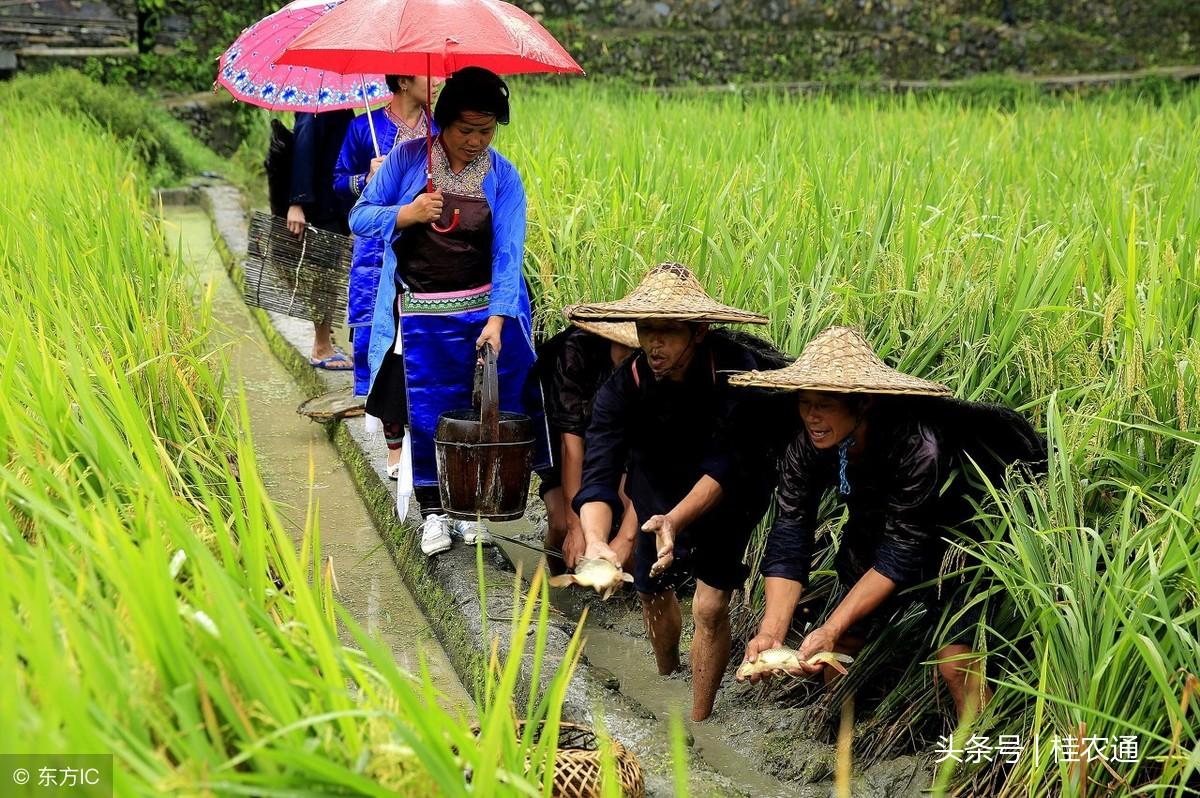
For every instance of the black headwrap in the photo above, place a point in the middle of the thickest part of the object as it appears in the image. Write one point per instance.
(472, 89)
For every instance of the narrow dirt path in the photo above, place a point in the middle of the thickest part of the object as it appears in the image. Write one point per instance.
(370, 586)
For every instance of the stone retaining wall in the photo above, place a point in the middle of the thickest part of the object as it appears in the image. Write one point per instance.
(718, 41)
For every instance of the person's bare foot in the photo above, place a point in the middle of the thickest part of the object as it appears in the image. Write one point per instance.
(322, 347)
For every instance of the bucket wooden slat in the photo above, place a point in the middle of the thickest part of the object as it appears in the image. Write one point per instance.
(484, 456)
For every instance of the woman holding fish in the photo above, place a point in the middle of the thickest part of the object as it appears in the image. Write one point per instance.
(896, 450)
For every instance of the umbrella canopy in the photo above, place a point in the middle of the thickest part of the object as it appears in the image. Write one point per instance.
(435, 38)
(251, 71)
(428, 37)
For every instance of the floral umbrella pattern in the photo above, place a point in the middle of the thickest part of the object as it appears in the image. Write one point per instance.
(250, 72)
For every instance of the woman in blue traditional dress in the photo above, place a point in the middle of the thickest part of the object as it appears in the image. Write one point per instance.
(403, 119)
(442, 296)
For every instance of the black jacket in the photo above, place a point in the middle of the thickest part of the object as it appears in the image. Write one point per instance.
(909, 486)
(318, 141)
(572, 366)
(671, 434)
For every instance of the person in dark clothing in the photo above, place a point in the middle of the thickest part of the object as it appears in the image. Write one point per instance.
(318, 140)
(698, 462)
(572, 366)
(898, 466)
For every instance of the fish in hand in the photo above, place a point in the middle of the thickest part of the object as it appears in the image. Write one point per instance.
(786, 659)
(600, 575)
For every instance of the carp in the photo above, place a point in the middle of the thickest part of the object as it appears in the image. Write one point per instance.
(783, 659)
(600, 575)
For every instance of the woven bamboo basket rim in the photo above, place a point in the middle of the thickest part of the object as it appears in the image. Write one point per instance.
(577, 763)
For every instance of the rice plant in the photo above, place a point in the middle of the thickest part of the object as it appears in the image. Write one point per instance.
(1044, 254)
(153, 603)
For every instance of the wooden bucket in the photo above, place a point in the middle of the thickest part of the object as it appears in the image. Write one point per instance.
(484, 456)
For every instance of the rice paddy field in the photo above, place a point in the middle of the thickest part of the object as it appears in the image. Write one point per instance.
(1042, 253)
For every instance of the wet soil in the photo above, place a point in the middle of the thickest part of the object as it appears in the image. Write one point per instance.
(618, 647)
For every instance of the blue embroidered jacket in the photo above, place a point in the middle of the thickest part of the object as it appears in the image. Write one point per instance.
(398, 182)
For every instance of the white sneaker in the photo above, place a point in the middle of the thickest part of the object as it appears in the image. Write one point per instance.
(470, 531)
(435, 534)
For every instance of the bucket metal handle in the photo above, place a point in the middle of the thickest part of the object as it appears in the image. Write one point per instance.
(487, 395)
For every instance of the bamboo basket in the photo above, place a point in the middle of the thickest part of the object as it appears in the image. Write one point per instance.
(577, 764)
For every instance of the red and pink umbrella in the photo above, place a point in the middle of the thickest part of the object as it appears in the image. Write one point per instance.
(431, 37)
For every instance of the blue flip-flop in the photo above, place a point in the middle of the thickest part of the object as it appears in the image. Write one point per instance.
(326, 363)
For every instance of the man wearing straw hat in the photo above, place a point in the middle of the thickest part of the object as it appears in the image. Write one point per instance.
(700, 470)
(898, 464)
(572, 366)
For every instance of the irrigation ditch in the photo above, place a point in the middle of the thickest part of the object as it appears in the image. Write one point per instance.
(750, 745)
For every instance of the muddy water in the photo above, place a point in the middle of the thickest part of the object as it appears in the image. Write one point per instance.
(370, 586)
(628, 656)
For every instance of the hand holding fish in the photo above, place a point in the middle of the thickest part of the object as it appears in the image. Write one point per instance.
(574, 545)
(818, 640)
(598, 574)
(596, 550)
(758, 644)
(664, 536)
(791, 662)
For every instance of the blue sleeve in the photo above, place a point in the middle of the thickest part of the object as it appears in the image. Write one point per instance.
(304, 158)
(508, 243)
(349, 176)
(374, 215)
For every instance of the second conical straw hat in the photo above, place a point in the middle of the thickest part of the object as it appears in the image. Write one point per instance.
(668, 291)
(621, 332)
(840, 360)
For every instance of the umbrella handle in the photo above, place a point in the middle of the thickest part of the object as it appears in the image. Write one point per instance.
(370, 121)
(454, 220)
(437, 228)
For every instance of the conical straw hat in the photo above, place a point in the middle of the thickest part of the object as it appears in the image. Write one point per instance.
(840, 360)
(669, 291)
(621, 332)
